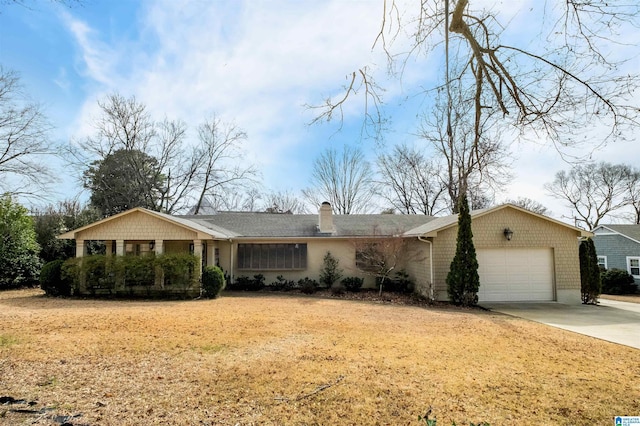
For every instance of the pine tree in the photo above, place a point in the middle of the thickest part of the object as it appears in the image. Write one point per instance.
(463, 280)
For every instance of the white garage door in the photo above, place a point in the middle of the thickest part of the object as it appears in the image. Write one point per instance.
(513, 275)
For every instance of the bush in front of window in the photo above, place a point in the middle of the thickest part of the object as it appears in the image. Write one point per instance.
(400, 283)
(282, 284)
(307, 285)
(617, 281)
(353, 284)
(244, 283)
(212, 281)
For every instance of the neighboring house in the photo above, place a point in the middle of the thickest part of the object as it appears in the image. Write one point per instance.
(618, 246)
(523, 256)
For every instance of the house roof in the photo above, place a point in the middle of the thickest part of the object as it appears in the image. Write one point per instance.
(213, 231)
(431, 228)
(631, 232)
(274, 225)
(226, 225)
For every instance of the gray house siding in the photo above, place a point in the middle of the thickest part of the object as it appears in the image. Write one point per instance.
(616, 248)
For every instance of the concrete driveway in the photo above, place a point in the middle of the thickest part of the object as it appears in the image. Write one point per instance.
(613, 321)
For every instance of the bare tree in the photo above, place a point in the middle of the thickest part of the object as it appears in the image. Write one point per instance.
(529, 204)
(24, 140)
(218, 159)
(633, 194)
(179, 174)
(344, 180)
(475, 160)
(381, 256)
(410, 182)
(592, 191)
(284, 202)
(564, 81)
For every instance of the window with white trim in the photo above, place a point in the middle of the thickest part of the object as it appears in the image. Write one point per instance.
(633, 266)
(272, 256)
(602, 262)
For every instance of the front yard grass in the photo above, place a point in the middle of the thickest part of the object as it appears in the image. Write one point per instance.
(272, 359)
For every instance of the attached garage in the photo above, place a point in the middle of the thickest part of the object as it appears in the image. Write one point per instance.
(522, 256)
(516, 274)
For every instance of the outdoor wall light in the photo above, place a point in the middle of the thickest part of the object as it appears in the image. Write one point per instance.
(152, 245)
(508, 234)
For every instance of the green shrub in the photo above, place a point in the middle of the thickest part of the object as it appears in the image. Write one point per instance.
(400, 283)
(282, 284)
(51, 280)
(353, 284)
(179, 270)
(308, 286)
(617, 281)
(330, 272)
(243, 283)
(212, 281)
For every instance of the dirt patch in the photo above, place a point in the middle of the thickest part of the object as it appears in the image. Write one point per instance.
(279, 359)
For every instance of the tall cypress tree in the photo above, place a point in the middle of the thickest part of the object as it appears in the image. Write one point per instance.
(590, 283)
(463, 280)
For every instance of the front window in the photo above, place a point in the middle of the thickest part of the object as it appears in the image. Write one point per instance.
(602, 262)
(272, 256)
(633, 266)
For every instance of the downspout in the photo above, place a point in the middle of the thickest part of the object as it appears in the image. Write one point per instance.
(431, 283)
(231, 257)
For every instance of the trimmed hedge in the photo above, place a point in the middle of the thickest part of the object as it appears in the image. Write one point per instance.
(617, 281)
(51, 280)
(132, 275)
(212, 281)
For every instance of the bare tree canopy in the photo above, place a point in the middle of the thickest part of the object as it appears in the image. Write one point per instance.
(529, 204)
(343, 179)
(410, 182)
(170, 173)
(284, 202)
(593, 191)
(218, 160)
(568, 76)
(24, 140)
(475, 161)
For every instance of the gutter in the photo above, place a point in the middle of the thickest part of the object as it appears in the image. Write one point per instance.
(431, 284)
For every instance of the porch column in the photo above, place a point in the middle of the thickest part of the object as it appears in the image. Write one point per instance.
(108, 247)
(81, 248)
(119, 247)
(159, 249)
(197, 250)
(211, 253)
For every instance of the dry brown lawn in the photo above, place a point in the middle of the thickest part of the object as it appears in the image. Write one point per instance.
(293, 360)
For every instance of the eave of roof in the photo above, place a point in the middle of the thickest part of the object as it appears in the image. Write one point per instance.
(432, 228)
(629, 231)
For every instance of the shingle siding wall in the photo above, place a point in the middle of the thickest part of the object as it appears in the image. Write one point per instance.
(528, 231)
(137, 226)
(616, 248)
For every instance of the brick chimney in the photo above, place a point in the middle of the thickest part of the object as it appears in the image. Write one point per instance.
(325, 224)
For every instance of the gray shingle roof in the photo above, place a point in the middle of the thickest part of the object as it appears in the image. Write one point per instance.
(269, 225)
(631, 231)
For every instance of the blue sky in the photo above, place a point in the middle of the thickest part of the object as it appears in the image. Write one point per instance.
(253, 63)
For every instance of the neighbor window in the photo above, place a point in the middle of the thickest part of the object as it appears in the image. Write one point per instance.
(272, 256)
(633, 266)
(602, 261)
